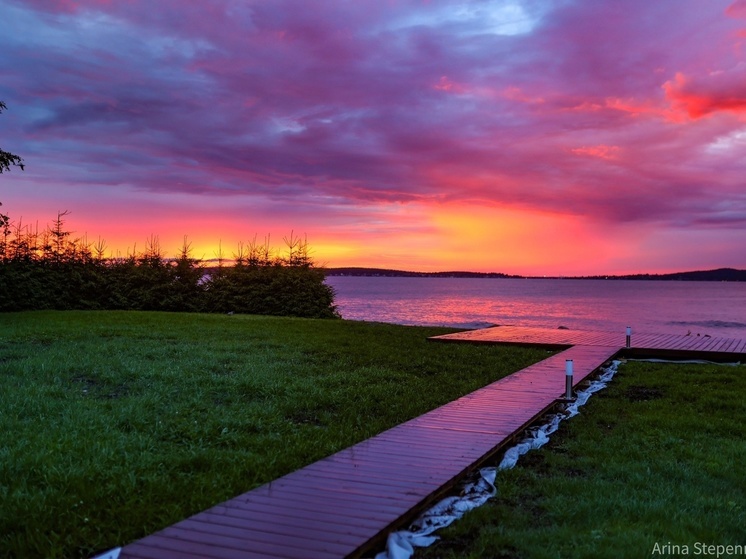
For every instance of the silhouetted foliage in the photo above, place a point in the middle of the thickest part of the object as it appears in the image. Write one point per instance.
(8, 159)
(52, 269)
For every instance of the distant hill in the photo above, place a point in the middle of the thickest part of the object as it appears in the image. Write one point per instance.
(721, 274)
(382, 272)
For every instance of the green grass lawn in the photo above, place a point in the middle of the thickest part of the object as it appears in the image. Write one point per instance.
(116, 424)
(658, 457)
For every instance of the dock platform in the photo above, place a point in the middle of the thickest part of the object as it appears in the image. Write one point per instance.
(674, 346)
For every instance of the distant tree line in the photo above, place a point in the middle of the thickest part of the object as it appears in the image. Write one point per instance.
(386, 272)
(49, 269)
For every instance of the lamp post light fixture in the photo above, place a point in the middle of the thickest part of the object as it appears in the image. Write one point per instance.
(568, 379)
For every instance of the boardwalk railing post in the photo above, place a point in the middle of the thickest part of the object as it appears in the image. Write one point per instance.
(568, 379)
(629, 336)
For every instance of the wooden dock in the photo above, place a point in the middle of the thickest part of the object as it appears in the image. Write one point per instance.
(346, 504)
(642, 344)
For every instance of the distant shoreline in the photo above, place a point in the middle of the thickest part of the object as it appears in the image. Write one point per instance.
(720, 274)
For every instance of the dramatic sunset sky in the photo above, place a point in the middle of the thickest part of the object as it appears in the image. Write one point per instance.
(519, 136)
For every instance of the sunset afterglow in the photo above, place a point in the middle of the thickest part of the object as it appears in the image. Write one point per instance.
(519, 136)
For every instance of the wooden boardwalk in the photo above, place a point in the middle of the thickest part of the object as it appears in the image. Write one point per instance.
(346, 504)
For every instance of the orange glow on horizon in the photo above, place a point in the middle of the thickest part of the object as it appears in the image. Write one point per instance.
(453, 236)
(513, 240)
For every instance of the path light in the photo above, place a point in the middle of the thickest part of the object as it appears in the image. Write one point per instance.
(568, 379)
(629, 336)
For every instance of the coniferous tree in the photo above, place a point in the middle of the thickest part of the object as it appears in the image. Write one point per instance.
(51, 269)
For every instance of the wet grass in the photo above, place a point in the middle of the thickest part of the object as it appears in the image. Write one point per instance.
(116, 424)
(656, 458)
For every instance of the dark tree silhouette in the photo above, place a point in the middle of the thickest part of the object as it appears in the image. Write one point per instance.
(6, 158)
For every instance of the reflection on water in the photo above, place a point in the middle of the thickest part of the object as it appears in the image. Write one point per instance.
(678, 307)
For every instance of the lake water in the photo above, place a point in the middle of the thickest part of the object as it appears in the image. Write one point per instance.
(676, 307)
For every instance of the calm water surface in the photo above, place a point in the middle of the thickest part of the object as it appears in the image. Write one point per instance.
(677, 307)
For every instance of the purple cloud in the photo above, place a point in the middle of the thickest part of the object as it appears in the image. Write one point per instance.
(614, 111)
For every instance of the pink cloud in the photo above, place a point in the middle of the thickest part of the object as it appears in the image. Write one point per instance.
(517, 94)
(329, 105)
(449, 86)
(704, 95)
(737, 9)
(635, 107)
(601, 151)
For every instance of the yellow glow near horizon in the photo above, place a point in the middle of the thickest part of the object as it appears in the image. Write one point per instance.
(514, 240)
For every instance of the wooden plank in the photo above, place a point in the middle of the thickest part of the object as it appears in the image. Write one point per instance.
(726, 346)
(700, 342)
(350, 492)
(299, 507)
(170, 548)
(324, 499)
(262, 533)
(690, 342)
(149, 550)
(322, 521)
(647, 341)
(669, 342)
(393, 456)
(724, 343)
(376, 477)
(463, 446)
(708, 343)
(427, 467)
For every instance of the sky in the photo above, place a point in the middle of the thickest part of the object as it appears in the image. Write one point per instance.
(558, 137)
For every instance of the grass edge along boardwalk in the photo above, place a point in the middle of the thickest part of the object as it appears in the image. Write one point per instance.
(345, 504)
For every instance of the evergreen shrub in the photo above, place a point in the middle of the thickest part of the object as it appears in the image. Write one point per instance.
(52, 270)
